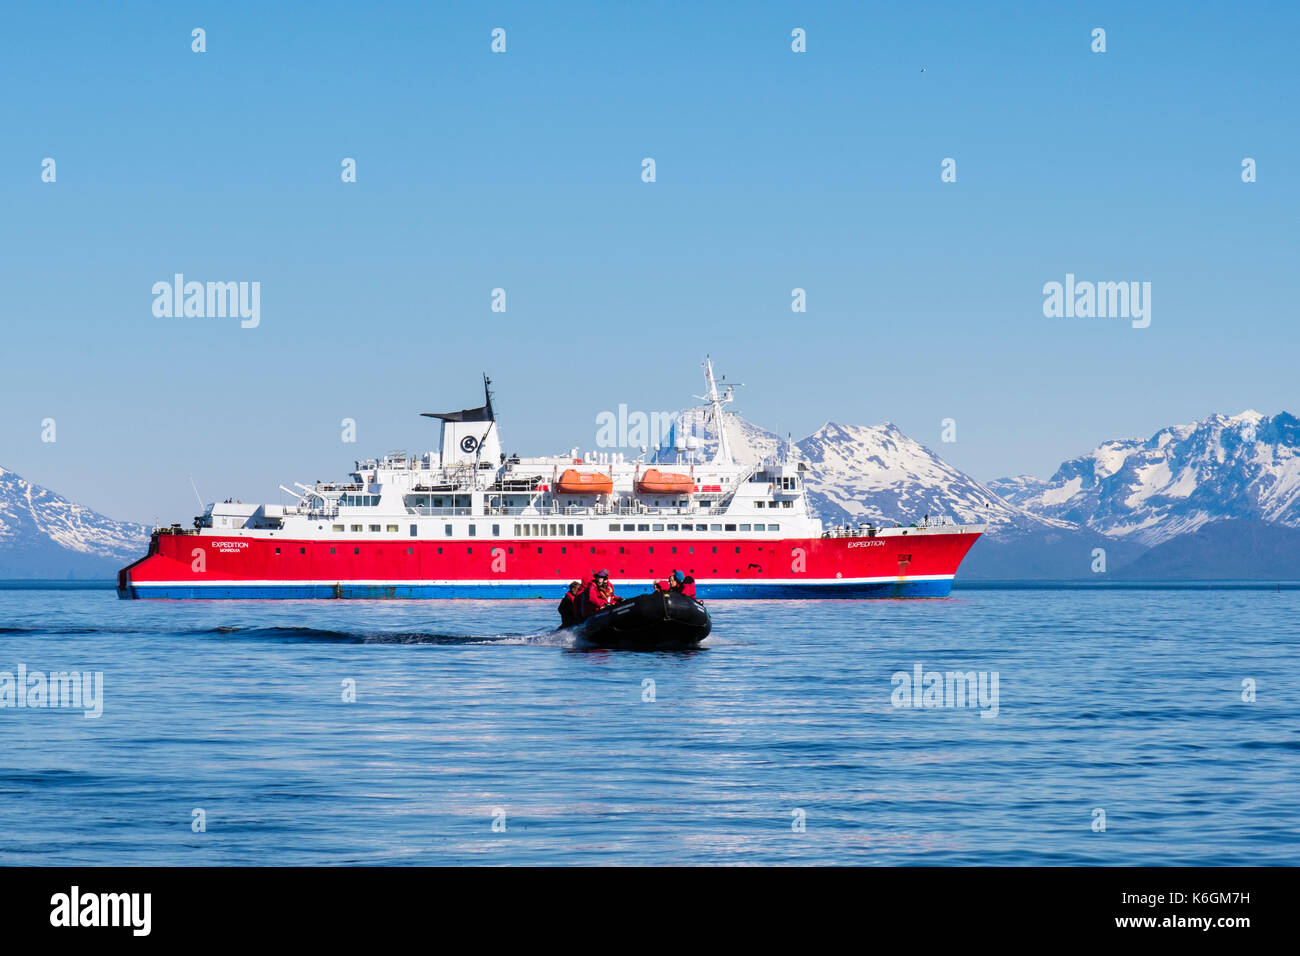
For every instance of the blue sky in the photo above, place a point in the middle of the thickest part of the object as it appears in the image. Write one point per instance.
(522, 170)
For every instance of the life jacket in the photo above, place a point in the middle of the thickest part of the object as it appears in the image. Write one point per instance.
(594, 598)
(688, 588)
(580, 599)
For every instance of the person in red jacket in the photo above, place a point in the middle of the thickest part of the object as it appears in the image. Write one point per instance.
(684, 583)
(600, 593)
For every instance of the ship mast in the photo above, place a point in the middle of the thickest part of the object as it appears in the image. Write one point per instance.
(723, 455)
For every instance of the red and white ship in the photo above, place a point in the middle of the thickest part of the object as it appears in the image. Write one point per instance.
(469, 522)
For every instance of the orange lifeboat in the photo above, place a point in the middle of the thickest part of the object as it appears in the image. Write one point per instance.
(656, 482)
(574, 482)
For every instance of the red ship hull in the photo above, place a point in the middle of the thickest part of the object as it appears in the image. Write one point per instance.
(921, 563)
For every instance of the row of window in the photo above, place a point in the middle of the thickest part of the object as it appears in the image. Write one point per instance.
(773, 504)
(698, 527)
(563, 550)
(360, 501)
(557, 530)
(547, 530)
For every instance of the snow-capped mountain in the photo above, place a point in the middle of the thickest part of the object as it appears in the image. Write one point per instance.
(875, 472)
(43, 534)
(1243, 466)
(861, 473)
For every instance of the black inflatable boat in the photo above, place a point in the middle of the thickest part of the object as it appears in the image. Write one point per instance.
(647, 622)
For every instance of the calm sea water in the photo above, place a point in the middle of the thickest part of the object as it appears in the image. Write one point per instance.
(1129, 702)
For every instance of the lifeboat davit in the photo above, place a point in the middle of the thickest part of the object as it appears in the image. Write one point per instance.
(656, 482)
(574, 482)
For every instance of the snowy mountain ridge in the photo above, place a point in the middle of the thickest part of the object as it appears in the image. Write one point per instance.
(38, 526)
(1244, 466)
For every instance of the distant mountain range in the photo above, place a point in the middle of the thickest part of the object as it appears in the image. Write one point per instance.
(44, 535)
(1219, 498)
(1244, 467)
(1139, 501)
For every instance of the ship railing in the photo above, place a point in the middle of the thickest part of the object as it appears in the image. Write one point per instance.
(530, 510)
(870, 530)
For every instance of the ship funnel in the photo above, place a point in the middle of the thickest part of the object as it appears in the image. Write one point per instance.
(469, 435)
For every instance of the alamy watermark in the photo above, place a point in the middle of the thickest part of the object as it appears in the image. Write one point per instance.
(1101, 300)
(634, 429)
(81, 690)
(925, 690)
(212, 300)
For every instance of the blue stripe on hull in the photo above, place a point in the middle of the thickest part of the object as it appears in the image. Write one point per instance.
(288, 592)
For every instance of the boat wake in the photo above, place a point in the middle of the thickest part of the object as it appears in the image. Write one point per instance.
(289, 633)
(547, 637)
